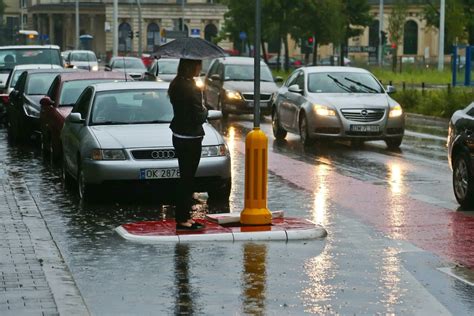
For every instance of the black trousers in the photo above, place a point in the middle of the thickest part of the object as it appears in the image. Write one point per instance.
(188, 151)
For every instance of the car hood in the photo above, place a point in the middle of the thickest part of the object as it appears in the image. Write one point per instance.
(84, 63)
(131, 70)
(166, 77)
(144, 135)
(247, 86)
(351, 100)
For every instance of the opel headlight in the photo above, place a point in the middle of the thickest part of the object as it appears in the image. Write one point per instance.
(214, 151)
(233, 95)
(108, 154)
(396, 111)
(323, 110)
(95, 68)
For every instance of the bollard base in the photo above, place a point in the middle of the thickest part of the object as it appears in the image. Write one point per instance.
(255, 216)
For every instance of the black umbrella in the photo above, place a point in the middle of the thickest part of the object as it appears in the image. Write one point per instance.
(189, 48)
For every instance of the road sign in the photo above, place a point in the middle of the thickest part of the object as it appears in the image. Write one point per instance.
(243, 36)
(176, 34)
(195, 33)
(361, 49)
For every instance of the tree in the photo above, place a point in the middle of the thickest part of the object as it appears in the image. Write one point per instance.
(321, 19)
(456, 20)
(396, 24)
(356, 18)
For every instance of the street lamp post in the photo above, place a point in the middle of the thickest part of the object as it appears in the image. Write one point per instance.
(441, 35)
(380, 52)
(115, 29)
(77, 24)
(139, 37)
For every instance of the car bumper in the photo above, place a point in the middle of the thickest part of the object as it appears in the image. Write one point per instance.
(99, 172)
(245, 107)
(339, 127)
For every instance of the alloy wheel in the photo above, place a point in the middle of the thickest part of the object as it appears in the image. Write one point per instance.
(461, 178)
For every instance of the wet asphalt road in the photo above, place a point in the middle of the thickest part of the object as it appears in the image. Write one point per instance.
(358, 269)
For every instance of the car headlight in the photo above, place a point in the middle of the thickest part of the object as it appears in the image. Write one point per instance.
(396, 111)
(214, 151)
(31, 111)
(74, 67)
(233, 95)
(108, 154)
(199, 83)
(95, 68)
(323, 110)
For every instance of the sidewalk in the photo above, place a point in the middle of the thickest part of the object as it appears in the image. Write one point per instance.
(34, 280)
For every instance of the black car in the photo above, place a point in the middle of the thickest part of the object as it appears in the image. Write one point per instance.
(460, 154)
(24, 106)
(229, 86)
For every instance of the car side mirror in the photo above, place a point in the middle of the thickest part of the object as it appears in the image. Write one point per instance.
(278, 79)
(391, 89)
(99, 60)
(75, 118)
(46, 101)
(216, 77)
(295, 89)
(214, 115)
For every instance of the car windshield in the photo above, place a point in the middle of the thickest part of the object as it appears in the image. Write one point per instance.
(38, 84)
(168, 67)
(128, 63)
(83, 56)
(71, 90)
(245, 73)
(343, 82)
(9, 58)
(132, 107)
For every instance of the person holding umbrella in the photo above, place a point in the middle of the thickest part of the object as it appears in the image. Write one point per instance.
(189, 115)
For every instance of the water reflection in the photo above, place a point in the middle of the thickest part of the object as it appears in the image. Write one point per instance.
(396, 176)
(320, 206)
(390, 279)
(254, 278)
(184, 304)
(397, 211)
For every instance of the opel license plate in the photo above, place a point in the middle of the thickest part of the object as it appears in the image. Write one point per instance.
(365, 128)
(167, 173)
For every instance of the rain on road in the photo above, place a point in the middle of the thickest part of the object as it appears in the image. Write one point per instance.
(396, 242)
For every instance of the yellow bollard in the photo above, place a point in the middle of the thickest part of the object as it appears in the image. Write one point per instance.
(255, 208)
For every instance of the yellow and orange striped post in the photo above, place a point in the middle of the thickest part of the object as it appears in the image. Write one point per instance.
(255, 210)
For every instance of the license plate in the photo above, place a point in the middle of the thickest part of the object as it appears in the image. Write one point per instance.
(365, 128)
(159, 173)
(262, 104)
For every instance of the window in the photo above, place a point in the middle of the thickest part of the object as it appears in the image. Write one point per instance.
(210, 31)
(39, 83)
(125, 42)
(292, 79)
(152, 37)
(410, 38)
(83, 103)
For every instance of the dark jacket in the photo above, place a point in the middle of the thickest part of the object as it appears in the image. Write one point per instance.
(189, 112)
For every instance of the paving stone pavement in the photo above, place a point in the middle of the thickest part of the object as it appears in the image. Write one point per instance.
(34, 280)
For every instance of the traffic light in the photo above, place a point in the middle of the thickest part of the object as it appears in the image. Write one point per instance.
(384, 37)
(310, 42)
(137, 34)
(130, 34)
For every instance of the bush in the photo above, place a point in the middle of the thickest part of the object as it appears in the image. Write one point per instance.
(440, 103)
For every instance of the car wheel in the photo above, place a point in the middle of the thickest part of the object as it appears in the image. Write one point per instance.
(393, 143)
(84, 190)
(463, 181)
(220, 192)
(278, 131)
(304, 135)
(67, 179)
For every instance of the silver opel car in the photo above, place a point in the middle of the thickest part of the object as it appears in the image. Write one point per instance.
(119, 133)
(337, 103)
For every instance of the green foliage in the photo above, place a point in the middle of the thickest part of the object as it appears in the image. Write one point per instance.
(439, 102)
(356, 17)
(412, 76)
(458, 18)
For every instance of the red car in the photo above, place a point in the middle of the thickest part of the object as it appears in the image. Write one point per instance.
(57, 104)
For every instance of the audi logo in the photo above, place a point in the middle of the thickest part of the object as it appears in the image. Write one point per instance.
(364, 112)
(162, 154)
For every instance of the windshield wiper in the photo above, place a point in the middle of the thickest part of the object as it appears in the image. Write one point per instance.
(340, 84)
(152, 122)
(111, 123)
(360, 84)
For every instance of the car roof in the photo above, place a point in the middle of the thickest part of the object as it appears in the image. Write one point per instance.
(125, 57)
(130, 85)
(81, 51)
(313, 69)
(36, 66)
(238, 60)
(48, 70)
(28, 47)
(84, 75)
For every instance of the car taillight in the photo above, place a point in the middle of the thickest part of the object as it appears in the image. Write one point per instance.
(5, 98)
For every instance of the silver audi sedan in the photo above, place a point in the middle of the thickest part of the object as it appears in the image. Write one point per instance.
(337, 103)
(119, 133)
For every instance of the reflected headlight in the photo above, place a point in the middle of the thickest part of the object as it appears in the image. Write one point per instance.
(233, 95)
(199, 82)
(95, 68)
(30, 110)
(214, 151)
(396, 111)
(323, 110)
(108, 154)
